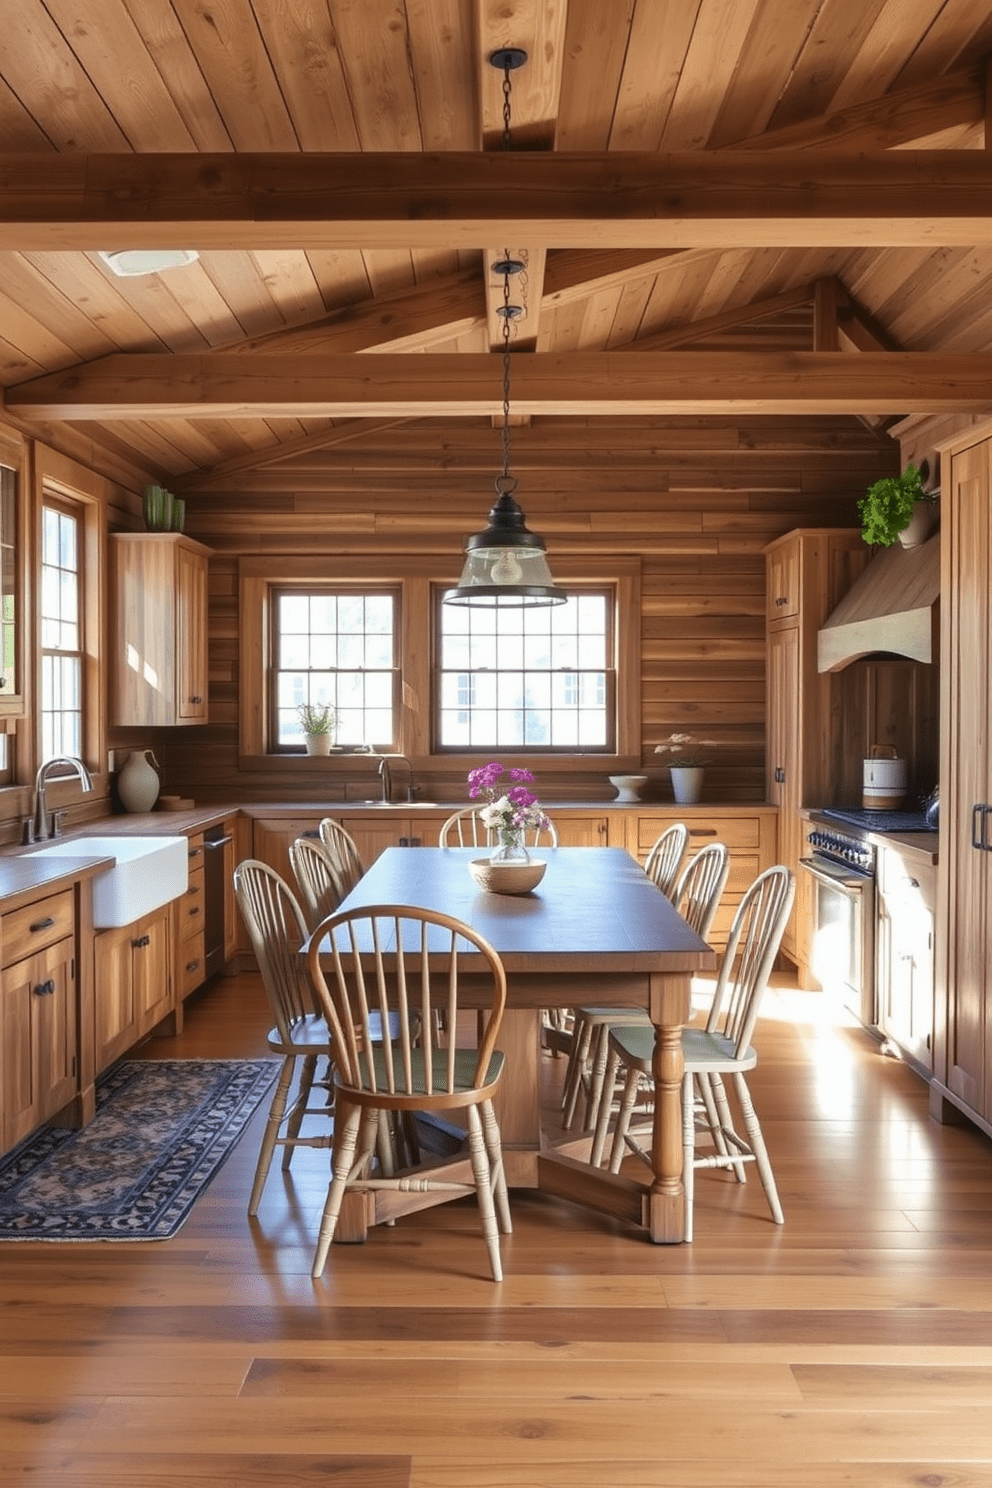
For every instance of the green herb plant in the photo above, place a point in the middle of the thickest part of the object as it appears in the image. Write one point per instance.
(887, 506)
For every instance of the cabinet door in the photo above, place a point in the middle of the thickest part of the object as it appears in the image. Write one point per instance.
(273, 836)
(783, 762)
(965, 779)
(783, 581)
(38, 1020)
(905, 941)
(191, 636)
(151, 971)
(582, 831)
(114, 1018)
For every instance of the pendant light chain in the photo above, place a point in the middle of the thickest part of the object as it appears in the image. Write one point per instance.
(506, 483)
(506, 566)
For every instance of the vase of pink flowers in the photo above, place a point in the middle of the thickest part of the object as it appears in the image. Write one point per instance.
(511, 809)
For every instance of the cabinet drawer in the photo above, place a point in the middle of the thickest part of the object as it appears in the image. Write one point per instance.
(37, 925)
(189, 909)
(190, 970)
(735, 831)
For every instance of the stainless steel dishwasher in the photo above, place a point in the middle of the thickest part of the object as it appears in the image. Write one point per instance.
(214, 842)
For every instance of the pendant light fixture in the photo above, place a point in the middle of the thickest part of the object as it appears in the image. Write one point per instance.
(506, 566)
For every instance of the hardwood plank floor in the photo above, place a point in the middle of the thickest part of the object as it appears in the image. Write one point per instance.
(850, 1348)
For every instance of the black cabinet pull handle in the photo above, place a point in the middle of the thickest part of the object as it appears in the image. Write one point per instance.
(194, 852)
(779, 775)
(975, 838)
(44, 989)
(196, 698)
(45, 924)
(192, 965)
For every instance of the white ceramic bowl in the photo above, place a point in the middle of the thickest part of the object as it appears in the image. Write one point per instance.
(507, 878)
(628, 787)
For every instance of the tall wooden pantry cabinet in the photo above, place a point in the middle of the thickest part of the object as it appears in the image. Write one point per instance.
(963, 1031)
(808, 571)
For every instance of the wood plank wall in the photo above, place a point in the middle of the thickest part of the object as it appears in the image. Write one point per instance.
(695, 499)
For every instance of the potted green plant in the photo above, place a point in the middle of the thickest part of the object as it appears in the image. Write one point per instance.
(898, 506)
(319, 721)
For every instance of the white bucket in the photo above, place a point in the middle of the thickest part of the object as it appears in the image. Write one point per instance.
(885, 780)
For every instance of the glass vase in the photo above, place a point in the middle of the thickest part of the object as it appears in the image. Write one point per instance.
(510, 847)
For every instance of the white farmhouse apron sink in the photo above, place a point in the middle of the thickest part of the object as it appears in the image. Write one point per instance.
(147, 872)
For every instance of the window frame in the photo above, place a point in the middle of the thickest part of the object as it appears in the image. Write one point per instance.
(61, 481)
(539, 751)
(416, 579)
(315, 587)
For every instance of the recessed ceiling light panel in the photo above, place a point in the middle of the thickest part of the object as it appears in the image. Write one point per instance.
(130, 262)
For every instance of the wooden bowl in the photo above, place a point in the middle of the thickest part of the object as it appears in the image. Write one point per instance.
(507, 878)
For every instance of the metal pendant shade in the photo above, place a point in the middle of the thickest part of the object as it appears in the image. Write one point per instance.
(506, 566)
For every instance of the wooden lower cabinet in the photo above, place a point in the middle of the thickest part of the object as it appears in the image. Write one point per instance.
(134, 983)
(373, 833)
(749, 833)
(905, 919)
(38, 1039)
(578, 829)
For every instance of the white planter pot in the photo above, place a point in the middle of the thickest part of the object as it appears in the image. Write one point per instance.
(920, 524)
(318, 743)
(687, 783)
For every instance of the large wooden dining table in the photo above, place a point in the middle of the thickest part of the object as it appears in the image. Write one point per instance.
(596, 931)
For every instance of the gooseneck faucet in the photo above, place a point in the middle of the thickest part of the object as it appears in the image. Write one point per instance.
(44, 826)
(386, 765)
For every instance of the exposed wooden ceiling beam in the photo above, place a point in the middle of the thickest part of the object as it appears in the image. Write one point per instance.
(407, 319)
(453, 199)
(698, 330)
(895, 118)
(158, 385)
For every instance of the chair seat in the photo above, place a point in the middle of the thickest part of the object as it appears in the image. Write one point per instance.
(613, 1014)
(414, 1095)
(308, 1035)
(713, 1053)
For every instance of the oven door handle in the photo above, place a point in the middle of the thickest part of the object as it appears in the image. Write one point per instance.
(853, 885)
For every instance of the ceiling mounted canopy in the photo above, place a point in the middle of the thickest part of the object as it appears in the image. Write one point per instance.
(506, 566)
(130, 263)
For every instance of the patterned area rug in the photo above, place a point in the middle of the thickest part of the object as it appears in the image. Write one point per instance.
(161, 1132)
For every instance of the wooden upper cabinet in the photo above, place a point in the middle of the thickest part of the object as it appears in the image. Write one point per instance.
(12, 561)
(783, 581)
(159, 629)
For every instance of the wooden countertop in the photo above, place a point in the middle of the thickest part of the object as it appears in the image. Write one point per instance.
(23, 878)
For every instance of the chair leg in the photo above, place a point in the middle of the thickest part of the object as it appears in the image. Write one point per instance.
(581, 1034)
(274, 1120)
(605, 1106)
(753, 1128)
(343, 1158)
(494, 1147)
(597, 1074)
(725, 1123)
(308, 1071)
(628, 1101)
(688, 1151)
(483, 1177)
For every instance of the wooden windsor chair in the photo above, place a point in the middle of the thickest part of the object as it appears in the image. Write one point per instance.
(722, 1049)
(385, 955)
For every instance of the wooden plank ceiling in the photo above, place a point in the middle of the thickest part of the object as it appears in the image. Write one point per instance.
(772, 185)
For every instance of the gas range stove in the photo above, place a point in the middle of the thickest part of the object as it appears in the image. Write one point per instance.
(877, 821)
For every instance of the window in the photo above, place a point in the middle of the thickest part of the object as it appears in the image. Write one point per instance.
(61, 634)
(335, 646)
(532, 678)
(566, 679)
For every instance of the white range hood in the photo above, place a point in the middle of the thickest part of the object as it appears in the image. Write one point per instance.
(892, 610)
